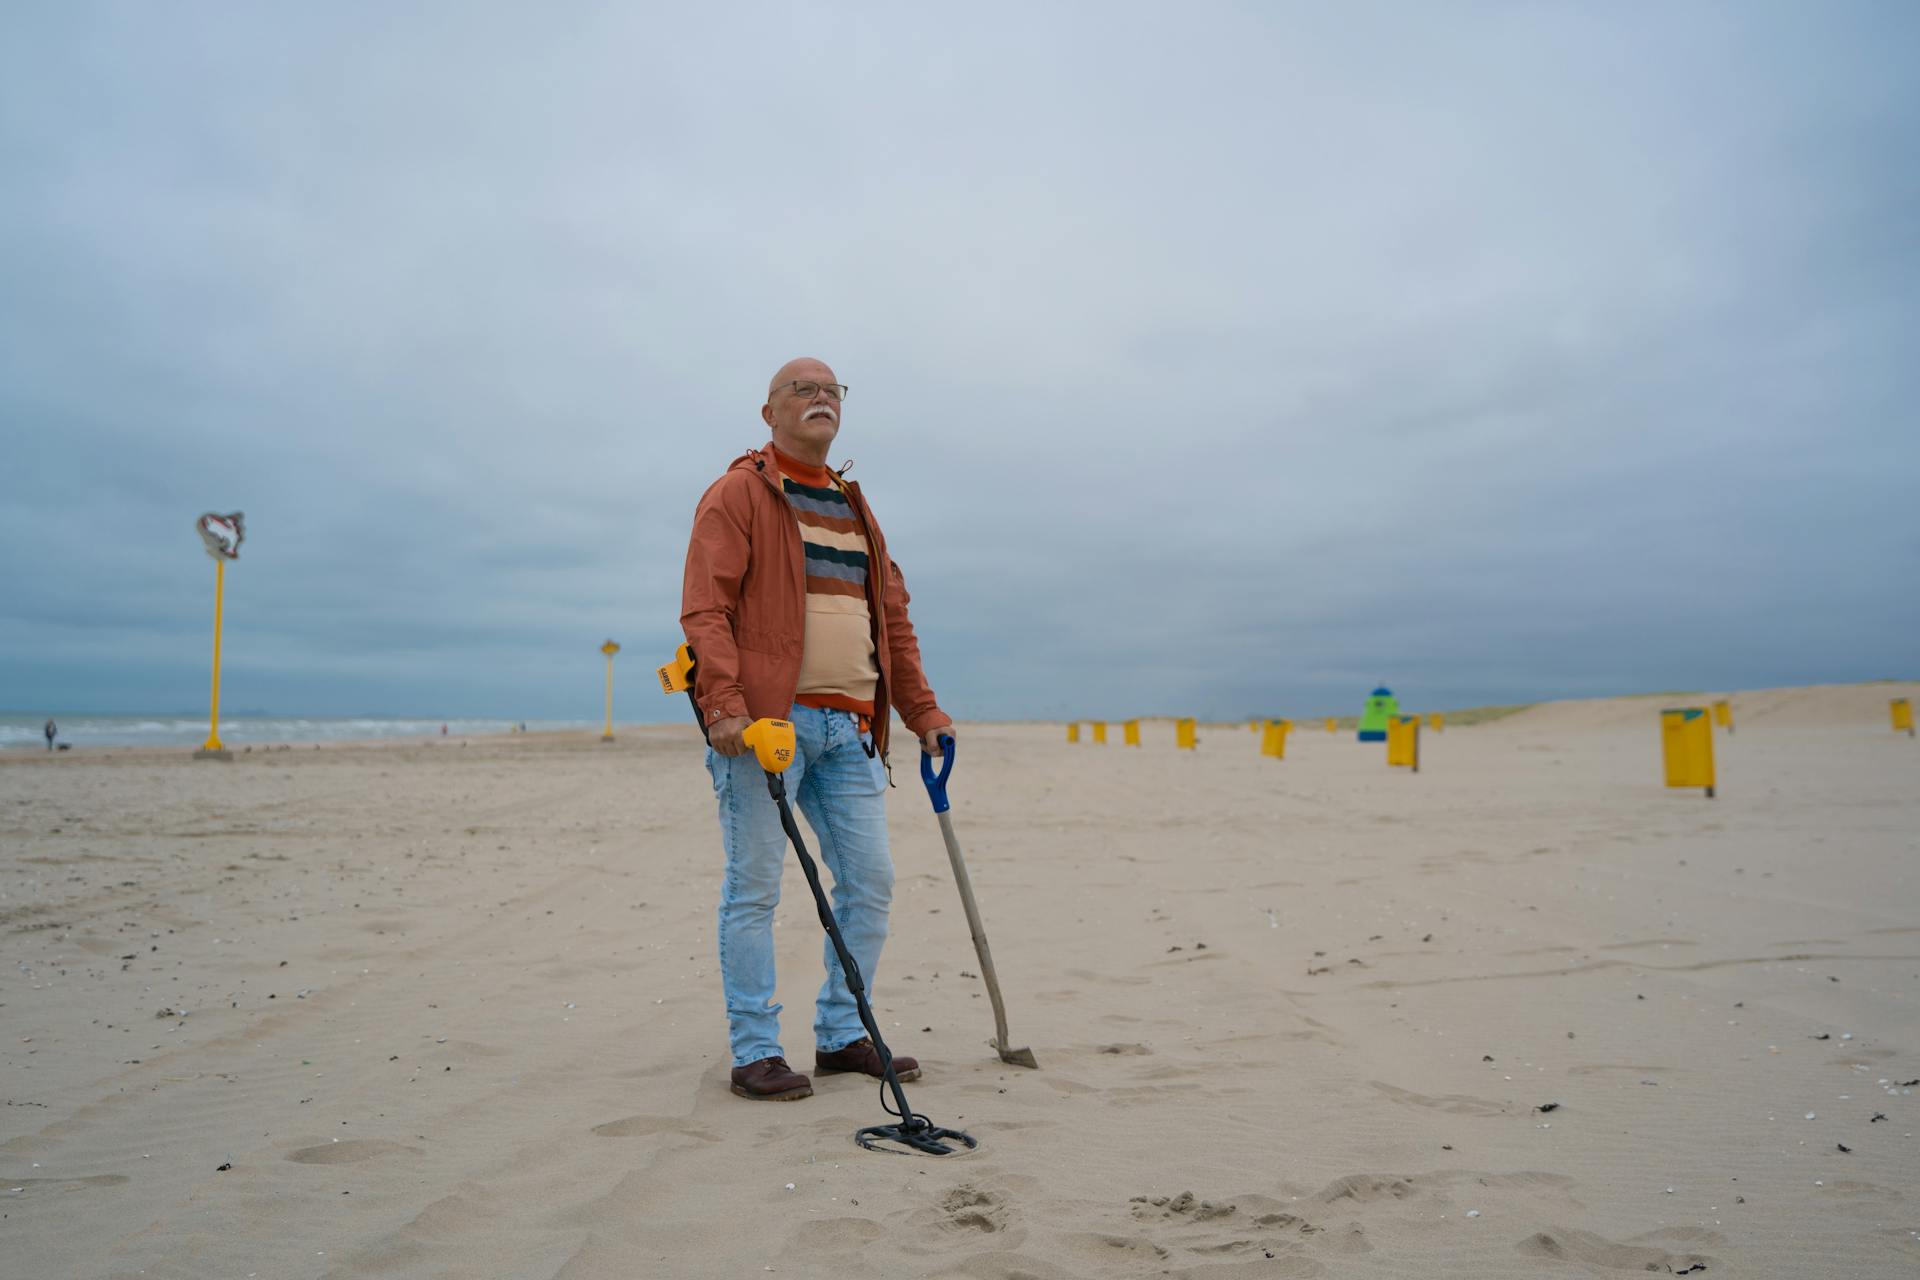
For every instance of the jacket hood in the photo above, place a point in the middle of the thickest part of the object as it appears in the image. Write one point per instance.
(753, 459)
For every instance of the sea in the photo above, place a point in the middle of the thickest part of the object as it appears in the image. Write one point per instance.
(26, 732)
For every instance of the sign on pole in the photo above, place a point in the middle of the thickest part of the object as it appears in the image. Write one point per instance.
(221, 536)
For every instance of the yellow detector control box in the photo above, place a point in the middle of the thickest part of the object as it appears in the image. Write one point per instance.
(673, 676)
(772, 743)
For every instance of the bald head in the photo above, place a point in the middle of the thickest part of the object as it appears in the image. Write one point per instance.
(804, 369)
(803, 424)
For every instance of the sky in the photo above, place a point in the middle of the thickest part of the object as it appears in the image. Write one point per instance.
(1204, 359)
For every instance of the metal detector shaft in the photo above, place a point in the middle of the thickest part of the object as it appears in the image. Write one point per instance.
(914, 1131)
(856, 984)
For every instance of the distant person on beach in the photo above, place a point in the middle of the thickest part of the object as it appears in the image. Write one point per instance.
(834, 656)
(50, 731)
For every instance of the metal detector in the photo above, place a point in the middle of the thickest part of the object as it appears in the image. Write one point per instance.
(772, 743)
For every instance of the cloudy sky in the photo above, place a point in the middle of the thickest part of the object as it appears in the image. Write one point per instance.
(1204, 358)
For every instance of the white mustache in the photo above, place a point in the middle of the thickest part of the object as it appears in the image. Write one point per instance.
(820, 411)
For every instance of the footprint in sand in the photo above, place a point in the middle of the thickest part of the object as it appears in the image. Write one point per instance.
(352, 1151)
(1183, 1206)
(1254, 1225)
(1254, 1231)
(1564, 1244)
(1367, 1188)
(971, 1208)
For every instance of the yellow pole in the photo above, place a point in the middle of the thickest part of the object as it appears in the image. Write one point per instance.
(610, 648)
(608, 735)
(219, 598)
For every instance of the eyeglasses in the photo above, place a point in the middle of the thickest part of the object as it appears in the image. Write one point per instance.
(808, 390)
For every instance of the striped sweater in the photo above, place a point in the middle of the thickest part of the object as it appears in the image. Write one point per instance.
(837, 665)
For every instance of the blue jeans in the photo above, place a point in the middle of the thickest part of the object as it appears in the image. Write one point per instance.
(841, 791)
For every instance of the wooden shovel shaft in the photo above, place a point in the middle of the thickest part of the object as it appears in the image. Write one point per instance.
(979, 931)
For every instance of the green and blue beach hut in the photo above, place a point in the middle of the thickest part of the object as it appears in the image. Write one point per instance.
(1382, 707)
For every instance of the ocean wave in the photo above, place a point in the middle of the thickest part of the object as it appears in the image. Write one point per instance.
(129, 730)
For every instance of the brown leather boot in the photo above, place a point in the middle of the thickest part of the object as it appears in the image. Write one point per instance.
(771, 1080)
(861, 1056)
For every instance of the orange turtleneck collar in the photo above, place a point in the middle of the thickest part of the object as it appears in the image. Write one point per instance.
(806, 473)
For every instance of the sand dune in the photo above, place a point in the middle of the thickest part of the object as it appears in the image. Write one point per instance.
(1854, 707)
(453, 1011)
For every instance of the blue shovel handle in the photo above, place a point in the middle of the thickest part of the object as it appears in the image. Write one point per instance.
(937, 784)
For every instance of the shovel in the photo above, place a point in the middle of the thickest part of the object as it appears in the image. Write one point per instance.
(937, 792)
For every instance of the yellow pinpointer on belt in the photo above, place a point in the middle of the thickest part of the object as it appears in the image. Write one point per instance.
(772, 744)
(677, 676)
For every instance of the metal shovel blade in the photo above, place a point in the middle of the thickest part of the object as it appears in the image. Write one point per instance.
(1019, 1057)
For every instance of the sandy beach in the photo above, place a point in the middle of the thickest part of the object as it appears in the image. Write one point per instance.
(451, 1010)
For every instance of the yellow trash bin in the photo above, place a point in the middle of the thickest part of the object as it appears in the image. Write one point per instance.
(1183, 735)
(1902, 715)
(1686, 741)
(1073, 732)
(1403, 742)
(1130, 733)
(1436, 722)
(1100, 731)
(1333, 726)
(1274, 741)
(1723, 714)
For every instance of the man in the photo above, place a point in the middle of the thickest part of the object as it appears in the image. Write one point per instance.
(795, 612)
(51, 730)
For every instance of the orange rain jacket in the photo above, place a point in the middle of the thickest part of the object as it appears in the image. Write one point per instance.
(743, 605)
